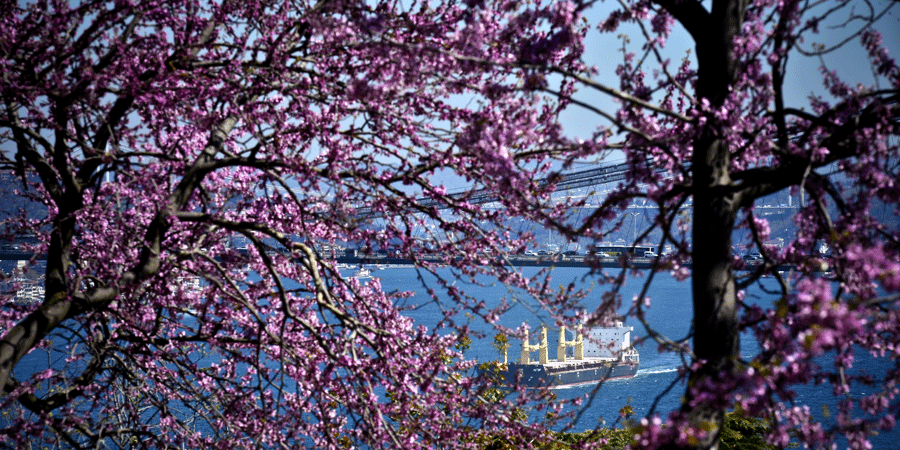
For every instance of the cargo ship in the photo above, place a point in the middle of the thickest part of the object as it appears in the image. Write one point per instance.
(604, 353)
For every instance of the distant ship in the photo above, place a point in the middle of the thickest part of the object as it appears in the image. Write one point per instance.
(604, 354)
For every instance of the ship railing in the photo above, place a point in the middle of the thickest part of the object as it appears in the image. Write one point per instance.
(580, 365)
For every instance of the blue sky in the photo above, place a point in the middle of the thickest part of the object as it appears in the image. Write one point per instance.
(803, 77)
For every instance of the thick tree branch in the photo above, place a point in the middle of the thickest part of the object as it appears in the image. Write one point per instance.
(60, 305)
(758, 182)
(691, 15)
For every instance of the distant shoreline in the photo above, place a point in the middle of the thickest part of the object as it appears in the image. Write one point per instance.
(515, 260)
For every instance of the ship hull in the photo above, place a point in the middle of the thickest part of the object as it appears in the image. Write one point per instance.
(565, 374)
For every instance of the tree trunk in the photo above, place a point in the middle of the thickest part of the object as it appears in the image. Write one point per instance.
(716, 343)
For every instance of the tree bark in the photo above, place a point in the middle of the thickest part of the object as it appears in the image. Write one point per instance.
(716, 343)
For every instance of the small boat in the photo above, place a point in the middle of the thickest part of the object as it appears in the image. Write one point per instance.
(362, 273)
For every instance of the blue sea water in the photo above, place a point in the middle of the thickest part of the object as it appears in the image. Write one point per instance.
(656, 387)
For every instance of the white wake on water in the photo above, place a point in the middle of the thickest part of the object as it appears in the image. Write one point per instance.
(640, 373)
(656, 370)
